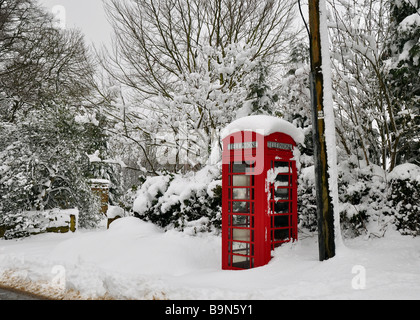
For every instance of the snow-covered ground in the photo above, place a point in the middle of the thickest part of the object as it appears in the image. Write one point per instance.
(136, 260)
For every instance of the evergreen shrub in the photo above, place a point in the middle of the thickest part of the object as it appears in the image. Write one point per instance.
(190, 203)
(370, 200)
(404, 198)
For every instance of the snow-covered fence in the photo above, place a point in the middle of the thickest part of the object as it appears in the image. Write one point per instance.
(27, 223)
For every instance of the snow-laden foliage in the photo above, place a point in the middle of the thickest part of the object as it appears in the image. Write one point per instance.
(183, 71)
(364, 207)
(403, 197)
(189, 68)
(294, 91)
(187, 123)
(403, 63)
(376, 61)
(371, 200)
(190, 203)
(307, 207)
(182, 130)
(45, 166)
(48, 123)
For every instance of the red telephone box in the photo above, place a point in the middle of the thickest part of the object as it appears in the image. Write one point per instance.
(259, 210)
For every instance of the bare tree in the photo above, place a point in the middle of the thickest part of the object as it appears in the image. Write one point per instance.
(157, 42)
(188, 60)
(39, 64)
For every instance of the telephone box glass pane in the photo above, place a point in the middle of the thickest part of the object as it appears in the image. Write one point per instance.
(281, 221)
(241, 235)
(239, 167)
(242, 167)
(241, 194)
(281, 207)
(281, 194)
(280, 235)
(240, 262)
(241, 181)
(282, 180)
(281, 164)
(241, 207)
(245, 249)
(242, 221)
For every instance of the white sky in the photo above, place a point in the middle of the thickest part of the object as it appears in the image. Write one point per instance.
(86, 15)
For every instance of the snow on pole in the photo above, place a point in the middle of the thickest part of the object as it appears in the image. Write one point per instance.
(330, 130)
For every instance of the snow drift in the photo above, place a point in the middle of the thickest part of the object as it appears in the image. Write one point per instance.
(137, 260)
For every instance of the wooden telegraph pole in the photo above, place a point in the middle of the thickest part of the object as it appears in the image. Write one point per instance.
(325, 209)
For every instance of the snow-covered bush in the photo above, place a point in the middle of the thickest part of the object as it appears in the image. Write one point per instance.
(307, 199)
(370, 200)
(363, 204)
(44, 166)
(189, 202)
(404, 198)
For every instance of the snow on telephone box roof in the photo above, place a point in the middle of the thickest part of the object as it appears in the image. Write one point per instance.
(265, 125)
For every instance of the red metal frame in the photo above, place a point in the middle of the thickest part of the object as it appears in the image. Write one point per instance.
(258, 214)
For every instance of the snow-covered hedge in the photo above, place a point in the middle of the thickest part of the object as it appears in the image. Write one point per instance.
(371, 201)
(307, 199)
(404, 198)
(23, 224)
(190, 203)
(363, 199)
(44, 165)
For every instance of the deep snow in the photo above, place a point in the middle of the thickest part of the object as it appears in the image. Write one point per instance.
(137, 260)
